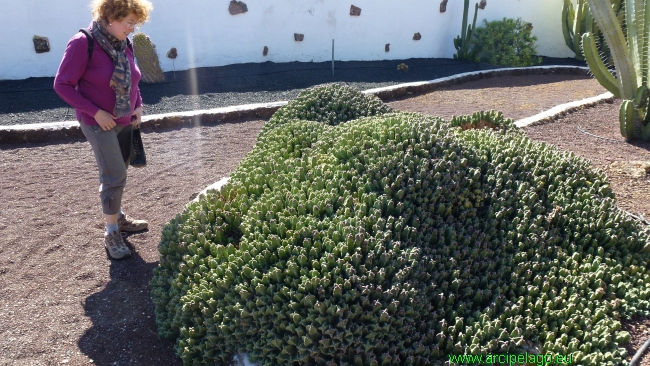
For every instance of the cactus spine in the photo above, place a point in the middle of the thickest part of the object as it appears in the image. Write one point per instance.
(630, 58)
(464, 41)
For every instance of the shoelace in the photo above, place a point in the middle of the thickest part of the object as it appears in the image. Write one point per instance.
(114, 243)
(130, 247)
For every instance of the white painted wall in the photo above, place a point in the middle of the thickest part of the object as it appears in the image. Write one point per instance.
(205, 33)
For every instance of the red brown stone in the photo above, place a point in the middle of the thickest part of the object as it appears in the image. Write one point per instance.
(41, 44)
(443, 6)
(237, 7)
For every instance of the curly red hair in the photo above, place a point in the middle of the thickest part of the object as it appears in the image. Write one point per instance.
(110, 10)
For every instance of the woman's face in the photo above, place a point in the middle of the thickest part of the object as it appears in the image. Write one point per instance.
(121, 29)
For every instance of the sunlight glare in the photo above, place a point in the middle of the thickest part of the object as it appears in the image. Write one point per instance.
(193, 81)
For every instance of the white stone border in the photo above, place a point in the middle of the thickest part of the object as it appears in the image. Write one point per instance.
(152, 117)
(562, 109)
(469, 74)
(216, 186)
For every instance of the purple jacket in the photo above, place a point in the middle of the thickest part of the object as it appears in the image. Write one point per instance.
(87, 87)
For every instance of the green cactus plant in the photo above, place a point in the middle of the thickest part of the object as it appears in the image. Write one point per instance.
(576, 22)
(579, 20)
(463, 42)
(630, 56)
(507, 42)
(147, 59)
(396, 238)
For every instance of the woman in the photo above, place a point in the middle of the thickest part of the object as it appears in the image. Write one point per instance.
(103, 89)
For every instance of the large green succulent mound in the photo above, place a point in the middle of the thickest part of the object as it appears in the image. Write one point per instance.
(398, 239)
(330, 104)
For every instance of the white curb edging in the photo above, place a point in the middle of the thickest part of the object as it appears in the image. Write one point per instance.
(146, 118)
(49, 126)
(214, 186)
(562, 109)
(221, 110)
(468, 74)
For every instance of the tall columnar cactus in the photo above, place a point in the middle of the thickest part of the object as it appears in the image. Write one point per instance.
(147, 58)
(630, 56)
(578, 21)
(464, 41)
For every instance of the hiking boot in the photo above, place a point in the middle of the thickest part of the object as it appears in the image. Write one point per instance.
(126, 223)
(115, 245)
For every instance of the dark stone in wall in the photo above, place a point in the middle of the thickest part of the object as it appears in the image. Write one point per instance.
(443, 6)
(482, 4)
(298, 37)
(266, 51)
(41, 44)
(355, 11)
(417, 36)
(387, 47)
(237, 7)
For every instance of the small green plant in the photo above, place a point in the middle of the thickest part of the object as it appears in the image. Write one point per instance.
(484, 119)
(506, 42)
(463, 43)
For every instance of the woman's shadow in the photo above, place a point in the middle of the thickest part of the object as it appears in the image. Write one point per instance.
(124, 329)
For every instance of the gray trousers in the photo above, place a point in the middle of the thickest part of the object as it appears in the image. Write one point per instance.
(112, 151)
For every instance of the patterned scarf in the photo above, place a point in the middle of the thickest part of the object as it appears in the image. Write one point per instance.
(121, 79)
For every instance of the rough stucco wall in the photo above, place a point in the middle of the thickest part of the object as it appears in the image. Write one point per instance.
(26, 18)
(205, 33)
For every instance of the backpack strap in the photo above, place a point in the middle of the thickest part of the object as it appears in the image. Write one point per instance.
(91, 43)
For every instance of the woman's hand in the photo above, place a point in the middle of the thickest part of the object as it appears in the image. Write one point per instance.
(105, 120)
(136, 117)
